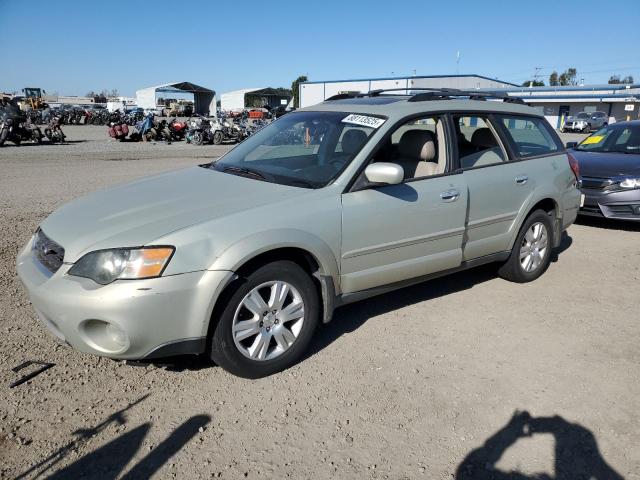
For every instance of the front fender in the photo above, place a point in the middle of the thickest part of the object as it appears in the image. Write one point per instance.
(261, 242)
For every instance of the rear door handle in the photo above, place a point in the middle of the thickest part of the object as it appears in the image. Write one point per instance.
(521, 179)
(450, 196)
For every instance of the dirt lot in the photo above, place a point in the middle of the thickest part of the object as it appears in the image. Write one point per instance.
(425, 382)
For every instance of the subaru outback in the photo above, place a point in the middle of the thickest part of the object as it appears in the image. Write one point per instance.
(242, 258)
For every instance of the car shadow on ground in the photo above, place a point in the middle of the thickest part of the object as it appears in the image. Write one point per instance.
(111, 459)
(605, 223)
(576, 452)
(351, 317)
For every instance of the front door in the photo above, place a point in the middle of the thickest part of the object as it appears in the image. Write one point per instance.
(393, 233)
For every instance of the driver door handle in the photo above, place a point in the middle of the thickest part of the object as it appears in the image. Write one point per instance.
(521, 179)
(450, 196)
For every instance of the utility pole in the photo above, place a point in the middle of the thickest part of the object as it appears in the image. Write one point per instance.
(536, 73)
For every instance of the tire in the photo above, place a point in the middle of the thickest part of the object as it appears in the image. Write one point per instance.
(586, 129)
(217, 138)
(198, 138)
(3, 136)
(515, 269)
(240, 356)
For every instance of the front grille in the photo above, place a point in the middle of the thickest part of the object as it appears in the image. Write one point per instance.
(596, 183)
(50, 254)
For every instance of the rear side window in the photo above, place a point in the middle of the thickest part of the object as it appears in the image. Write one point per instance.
(530, 136)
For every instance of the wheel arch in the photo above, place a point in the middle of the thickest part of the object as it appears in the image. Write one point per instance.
(548, 204)
(309, 252)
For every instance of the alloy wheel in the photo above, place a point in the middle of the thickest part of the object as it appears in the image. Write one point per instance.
(534, 247)
(268, 320)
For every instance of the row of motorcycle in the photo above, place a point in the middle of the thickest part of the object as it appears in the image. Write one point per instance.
(197, 130)
(78, 116)
(17, 128)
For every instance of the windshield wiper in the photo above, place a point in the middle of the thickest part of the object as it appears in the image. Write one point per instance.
(243, 171)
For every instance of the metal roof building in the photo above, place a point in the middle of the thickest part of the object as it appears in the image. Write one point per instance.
(204, 99)
(316, 92)
(620, 102)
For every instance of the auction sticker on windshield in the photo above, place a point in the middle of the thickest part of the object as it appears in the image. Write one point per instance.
(363, 120)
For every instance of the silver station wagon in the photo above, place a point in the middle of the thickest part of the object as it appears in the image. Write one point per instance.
(242, 258)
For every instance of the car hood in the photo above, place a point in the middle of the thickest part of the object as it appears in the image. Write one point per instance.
(607, 164)
(137, 213)
(576, 119)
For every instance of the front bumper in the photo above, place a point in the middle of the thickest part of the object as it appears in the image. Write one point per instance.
(619, 205)
(127, 319)
(574, 127)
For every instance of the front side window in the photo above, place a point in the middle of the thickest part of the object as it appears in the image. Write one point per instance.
(418, 146)
(530, 136)
(478, 144)
(306, 149)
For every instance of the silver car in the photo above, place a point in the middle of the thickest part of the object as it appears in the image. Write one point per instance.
(242, 258)
(585, 122)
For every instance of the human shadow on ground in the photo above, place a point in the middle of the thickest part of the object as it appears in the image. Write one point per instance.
(110, 460)
(576, 452)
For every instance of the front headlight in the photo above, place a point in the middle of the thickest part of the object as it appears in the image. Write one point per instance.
(105, 266)
(630, 183)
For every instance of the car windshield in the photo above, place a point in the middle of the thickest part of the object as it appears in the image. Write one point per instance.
(582, 115)
(613, 138)
(303, 149)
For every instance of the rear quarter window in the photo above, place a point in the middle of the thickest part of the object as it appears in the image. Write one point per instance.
(530, 136)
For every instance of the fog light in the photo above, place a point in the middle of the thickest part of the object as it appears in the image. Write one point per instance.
(117, 334)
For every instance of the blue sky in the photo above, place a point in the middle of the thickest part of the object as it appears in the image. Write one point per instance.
(73, 46)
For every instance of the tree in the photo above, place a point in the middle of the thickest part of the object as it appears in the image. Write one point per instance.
(628, 79)
(614, 79)
(295, 88)
(553, 79)
(533, 83)
(568, 77)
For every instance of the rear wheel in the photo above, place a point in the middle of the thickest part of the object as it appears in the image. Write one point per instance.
(531, 253)
(267, 322)
(3, 136)
(217, 138)
(197, 138)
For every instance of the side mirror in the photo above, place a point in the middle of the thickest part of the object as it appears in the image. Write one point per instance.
(572, 144)
(384, 173)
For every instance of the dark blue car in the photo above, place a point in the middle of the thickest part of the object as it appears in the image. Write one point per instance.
(609, 161)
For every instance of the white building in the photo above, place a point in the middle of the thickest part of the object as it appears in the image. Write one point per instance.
(204, 99)
(316, 92)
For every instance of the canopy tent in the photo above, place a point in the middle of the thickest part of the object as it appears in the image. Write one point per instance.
(204, 99)
(254, 97)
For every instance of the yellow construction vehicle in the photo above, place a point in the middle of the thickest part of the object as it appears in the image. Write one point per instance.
(33, 98)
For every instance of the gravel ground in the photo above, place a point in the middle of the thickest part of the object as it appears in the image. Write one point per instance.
(448, 379)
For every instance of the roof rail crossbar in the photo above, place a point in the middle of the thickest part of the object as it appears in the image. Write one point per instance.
(430, 93)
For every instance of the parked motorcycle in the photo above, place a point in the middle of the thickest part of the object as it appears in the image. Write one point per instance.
(118, 128)
(178, 129)
(54, 129)
(17, 128)
(159, 132)
(199, 130)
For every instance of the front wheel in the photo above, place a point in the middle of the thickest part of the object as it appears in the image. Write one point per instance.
(3, 136)
(197, 138)
(267, 322)
(531, 253)
(217, 138)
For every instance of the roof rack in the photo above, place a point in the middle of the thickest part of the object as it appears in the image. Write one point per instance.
(428, 94)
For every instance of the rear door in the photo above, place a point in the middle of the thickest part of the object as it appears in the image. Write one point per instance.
(497, 188)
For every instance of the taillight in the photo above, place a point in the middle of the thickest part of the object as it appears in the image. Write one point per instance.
(575, 166)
